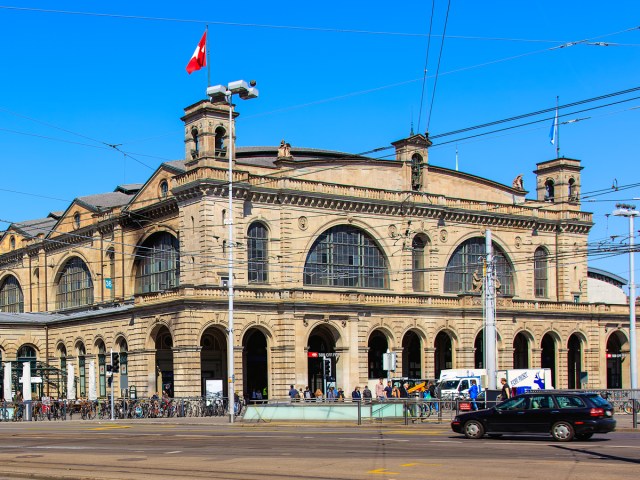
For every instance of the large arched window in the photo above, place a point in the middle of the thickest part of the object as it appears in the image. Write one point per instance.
(345, 256)
(468, 259)
(75, 287)
(416, 172)
(11, 299)
(540, 273)
(257, 246)
(158, 263)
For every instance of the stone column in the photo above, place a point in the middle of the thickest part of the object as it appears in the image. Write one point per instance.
(141, 368)
(536, 358)
(429, 362)
(187, 372)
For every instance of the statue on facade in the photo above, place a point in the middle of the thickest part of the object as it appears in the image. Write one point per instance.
(518, 182)
(284, 150)
(476, 285)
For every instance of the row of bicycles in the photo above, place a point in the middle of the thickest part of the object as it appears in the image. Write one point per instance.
(53, 410)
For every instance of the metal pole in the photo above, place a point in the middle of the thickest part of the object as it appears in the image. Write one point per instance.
(230, 367)
(490, 320)
(112, 382)
(632, 308)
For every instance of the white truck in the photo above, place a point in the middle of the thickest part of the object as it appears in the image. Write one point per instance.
(455, 383)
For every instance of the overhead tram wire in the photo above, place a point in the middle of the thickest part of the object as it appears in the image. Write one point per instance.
(426, 63)
(435, 82)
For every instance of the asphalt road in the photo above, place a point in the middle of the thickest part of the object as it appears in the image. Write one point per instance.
(174, 449)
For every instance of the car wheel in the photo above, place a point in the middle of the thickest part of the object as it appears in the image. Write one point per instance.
(562, 432)
(584, 436)
(473, 429)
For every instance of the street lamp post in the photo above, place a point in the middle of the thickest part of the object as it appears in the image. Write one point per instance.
(224, 94)
(624, 210)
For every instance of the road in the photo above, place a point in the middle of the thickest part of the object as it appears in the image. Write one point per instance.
(183, 449)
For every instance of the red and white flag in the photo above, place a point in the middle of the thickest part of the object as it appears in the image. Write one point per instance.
(199, 58)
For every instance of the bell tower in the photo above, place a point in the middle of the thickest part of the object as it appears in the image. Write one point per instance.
(558, 183)
(413, 153)
(206, 134)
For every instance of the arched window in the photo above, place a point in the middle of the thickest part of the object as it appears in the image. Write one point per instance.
(257, 246)
(11, 298)
(573, 196)
(540, 273)
(219, 141)
(76, 220)
(196, 143)
(75, 287)
(416, 172)
(102, 362)
(82, 369)
(467, 259)
(164, 189)
(158, 263)
(111, 284)
(12, 243)
(345, 256)
(549, 187)
(418, 262)
(27, 353)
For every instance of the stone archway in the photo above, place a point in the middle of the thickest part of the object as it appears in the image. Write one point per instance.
(521, 351)
(378, 345)
(255, 364)
(615, 374)
(322, 344)
(412, 355)
(574, 361)
(443, 353)
(164, 361)
(478, 350)
(548, 355)
(213, 361)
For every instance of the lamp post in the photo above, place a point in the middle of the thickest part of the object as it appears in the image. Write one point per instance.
(224, 94)
(624, 210)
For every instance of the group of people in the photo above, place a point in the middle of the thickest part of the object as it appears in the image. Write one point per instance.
(333, 394)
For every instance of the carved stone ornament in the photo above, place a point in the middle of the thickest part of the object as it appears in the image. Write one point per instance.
(393, 231)
(303, 223)
(305, 322)
(444, 235)
(518, 242)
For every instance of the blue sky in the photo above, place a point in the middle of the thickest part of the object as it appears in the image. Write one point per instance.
(332, 75)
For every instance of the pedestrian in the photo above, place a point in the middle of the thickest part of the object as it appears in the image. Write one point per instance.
(434, 396)
(506, 391)
(366, 394)
(292, 393)
(307, 394)
(380, 393)
(331, 394)
(395, 392)
(473, 394)
(318, 395)
(356, 395)
(388, 390)
(404, 390)
(340, 394)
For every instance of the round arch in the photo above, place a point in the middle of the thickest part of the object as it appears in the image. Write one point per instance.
(576, 345)
(617, 375)
(255, 363)
(444, 350)
(322, 342)
(412, 342)
(213, 361)
(549, 353)
(378, 344)
(522, 342)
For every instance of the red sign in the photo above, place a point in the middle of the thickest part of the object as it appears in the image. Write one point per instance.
(312, 354)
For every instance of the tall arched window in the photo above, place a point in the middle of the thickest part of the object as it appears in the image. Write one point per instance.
(11, 298)
(345, 256)
(257, 246)
(158, 263)
(102, 366)
(540, 273)
(82, 369)
(549, 187)
(418, 262)
(75, 287)
(573, 197)
(467, 259)
(416, 172)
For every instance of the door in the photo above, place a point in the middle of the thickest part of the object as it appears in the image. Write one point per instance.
(538, 417)
(508, 416)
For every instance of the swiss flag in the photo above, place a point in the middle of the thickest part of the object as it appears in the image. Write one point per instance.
(199, 58)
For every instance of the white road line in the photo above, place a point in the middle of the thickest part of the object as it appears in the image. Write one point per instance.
(176, 451)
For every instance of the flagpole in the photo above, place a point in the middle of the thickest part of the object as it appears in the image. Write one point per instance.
(208, 62)
(557, 130)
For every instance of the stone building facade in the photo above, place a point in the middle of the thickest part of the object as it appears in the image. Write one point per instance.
(336, 255)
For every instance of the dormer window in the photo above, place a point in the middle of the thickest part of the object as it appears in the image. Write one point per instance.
(164, 189)
(12, 243)
(76, 220)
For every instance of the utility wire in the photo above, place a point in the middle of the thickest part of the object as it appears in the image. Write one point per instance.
(435, 82)
(426, 63)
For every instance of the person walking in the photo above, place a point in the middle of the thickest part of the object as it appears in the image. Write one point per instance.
(293, 392)
(331, 394)
(380, 393)
(506, 391)
(434, 397)
(473, 394)
(366, 394)
(318, 395)
(388, 390)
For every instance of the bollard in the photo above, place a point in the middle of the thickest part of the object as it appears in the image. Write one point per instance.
(359, 412)
(28, 410)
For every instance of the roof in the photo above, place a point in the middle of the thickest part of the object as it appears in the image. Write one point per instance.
(591, 272)
(48, 318)
(33, 228)
(266, 156)
(105, 200)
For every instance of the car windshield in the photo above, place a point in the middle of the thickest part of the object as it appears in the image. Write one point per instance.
(599, 401)
(517, 403)
(449, 385)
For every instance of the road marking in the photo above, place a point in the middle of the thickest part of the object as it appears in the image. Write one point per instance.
(445, 441)
(109, 427)
(359, 439)
(176, 451)
(383, 471)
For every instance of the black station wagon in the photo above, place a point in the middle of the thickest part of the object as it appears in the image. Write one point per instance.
(564, 415)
